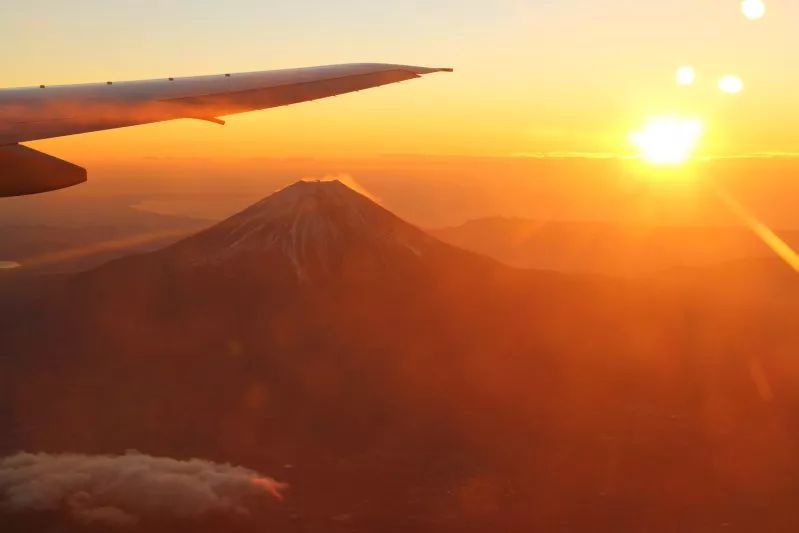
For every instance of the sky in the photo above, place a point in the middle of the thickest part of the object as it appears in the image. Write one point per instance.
(534, 79)
(532, 76)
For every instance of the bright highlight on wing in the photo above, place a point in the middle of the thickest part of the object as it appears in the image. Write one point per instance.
(731, 84)
(753, 9)
(686, 76)
(668, 140)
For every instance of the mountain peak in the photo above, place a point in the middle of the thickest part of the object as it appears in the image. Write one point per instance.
(318, 227)
(304, 188)
(306, 194)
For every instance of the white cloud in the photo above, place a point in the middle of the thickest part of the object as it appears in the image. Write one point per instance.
(123, 489)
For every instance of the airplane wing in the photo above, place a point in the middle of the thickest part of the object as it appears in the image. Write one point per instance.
(33, 113)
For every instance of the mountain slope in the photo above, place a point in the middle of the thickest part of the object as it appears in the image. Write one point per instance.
(316, 226)
(614, 249)
(413, 385)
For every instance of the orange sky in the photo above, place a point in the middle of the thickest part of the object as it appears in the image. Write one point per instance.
(435, 191)
(532, 75)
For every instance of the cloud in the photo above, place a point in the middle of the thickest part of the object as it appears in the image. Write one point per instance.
(571, 155)
(121, 490)
(755, 155)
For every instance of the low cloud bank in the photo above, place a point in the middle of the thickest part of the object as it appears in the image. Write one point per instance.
(121, 490)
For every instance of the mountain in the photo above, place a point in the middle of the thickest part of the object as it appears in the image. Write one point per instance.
(316, 229)
(609, 248)
(397, 382)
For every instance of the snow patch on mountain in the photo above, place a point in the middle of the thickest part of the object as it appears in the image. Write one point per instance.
(316, 225)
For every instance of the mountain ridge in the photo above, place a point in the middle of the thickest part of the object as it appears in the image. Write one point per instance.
(446, 390)
(312, 224)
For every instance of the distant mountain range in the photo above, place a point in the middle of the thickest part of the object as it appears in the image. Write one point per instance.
(76, 234)
(400, 383)
(609, 248)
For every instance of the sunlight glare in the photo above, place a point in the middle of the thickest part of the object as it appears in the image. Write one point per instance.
(668, 140)
(769, 237)
(753, 9)
(686, 76)
(731, 84)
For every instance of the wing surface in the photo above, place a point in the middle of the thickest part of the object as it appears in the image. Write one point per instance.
(33, 113)
(30, 114)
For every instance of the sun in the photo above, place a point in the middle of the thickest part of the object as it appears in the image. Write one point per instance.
(668, 140)
(753, 9)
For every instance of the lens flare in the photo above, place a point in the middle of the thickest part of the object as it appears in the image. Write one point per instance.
(731, 84)
(769, 237)
(668, 140)
(753, 9)
(686, 75)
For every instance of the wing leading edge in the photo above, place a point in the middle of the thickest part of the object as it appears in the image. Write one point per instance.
(29, 114)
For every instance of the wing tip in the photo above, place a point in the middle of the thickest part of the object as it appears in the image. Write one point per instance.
(421, 71)
(430, 70)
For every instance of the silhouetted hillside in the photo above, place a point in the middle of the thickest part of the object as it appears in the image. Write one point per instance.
(608, 248)
(396, 382)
